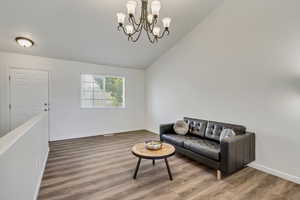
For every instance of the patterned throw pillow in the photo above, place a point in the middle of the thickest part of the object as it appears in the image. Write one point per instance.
(181, 127)
(226, 133)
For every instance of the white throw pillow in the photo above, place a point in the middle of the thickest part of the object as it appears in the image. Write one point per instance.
(226, 133)
(181, 127)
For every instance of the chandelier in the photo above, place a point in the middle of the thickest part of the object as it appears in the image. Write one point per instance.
(147, 21)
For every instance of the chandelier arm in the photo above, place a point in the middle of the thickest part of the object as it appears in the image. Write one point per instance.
(135, 28)
(146, 25)
(123, 30)
(163, 33)
(128, 35)
(134, 24)
(132, 18)
(138, 28)
(130, 21)
(152, 27)
(149, 37)
(137, 38)
(141, 23)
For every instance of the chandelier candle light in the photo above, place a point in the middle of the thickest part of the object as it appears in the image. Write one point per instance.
(147, 21)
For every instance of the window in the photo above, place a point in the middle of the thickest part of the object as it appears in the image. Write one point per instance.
(100, 91)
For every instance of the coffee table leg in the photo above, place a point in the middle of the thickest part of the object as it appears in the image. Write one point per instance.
(168, 168)
(137, 168)
(153, 162)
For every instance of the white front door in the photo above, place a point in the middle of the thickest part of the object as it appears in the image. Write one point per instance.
(29, 90)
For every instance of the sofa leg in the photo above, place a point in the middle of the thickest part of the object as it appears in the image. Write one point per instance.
(219, 175)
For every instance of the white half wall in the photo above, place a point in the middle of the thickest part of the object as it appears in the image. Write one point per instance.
(241, 65)
(67, 119)
(23, 157)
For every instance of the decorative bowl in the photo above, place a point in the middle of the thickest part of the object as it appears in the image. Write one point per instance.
(153, 144)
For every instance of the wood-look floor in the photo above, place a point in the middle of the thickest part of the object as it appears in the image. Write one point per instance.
(101, 167)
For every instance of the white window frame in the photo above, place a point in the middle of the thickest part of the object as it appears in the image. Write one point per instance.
(104, 107)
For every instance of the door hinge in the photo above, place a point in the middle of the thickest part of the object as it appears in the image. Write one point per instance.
(9, 106)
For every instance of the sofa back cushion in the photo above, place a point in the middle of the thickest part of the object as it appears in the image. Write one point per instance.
(214, 129)
(197, 127)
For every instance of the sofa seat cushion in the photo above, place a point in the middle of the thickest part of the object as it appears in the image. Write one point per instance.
(204, 147)
(174, 139)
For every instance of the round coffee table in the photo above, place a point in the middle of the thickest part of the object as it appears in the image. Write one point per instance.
(140, 151)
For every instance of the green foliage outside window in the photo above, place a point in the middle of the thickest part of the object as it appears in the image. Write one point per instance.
(114, 85)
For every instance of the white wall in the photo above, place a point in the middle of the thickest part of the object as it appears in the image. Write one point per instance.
(23, 156)
(67, 119)
(241, 65)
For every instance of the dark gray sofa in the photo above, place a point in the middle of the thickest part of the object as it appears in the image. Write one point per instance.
(202, 144)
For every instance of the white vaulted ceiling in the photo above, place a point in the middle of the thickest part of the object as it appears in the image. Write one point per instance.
(86, 30)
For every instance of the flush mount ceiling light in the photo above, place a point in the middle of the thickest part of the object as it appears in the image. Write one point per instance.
(24, 42)
(147, 21)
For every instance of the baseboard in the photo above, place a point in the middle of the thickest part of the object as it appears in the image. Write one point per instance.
(94, 134)
(275, 172)
(41, 176)
(152, 131)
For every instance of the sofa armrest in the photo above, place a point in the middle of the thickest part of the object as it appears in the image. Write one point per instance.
(237, 152)
(166, 128)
